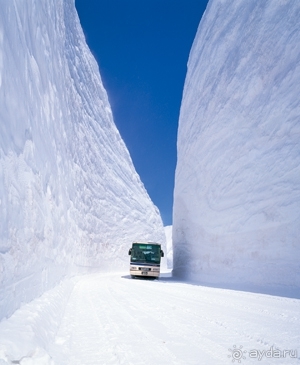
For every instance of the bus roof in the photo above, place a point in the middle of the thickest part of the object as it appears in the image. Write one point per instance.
(147, 243)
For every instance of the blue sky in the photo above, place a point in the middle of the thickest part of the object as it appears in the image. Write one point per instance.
(142, 48)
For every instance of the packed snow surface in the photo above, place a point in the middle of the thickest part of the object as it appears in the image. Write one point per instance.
(113, 319)
(69, 194)
(236, 216)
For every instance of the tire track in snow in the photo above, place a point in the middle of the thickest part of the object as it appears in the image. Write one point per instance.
(115, 320)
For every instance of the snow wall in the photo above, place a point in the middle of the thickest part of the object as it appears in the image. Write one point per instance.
(169, 253)
(69, 194)
(236, 217)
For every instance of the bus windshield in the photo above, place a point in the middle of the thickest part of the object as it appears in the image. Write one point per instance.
(142, 252)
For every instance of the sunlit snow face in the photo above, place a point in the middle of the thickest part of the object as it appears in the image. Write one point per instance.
(236, 200)
(69, 194)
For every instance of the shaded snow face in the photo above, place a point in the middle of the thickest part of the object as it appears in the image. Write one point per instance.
(69, 193)
(168, 232)
(237, 189)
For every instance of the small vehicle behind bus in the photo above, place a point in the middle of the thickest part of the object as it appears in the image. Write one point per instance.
(145, 259)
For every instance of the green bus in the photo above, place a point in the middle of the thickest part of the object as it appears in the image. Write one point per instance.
(145, 259)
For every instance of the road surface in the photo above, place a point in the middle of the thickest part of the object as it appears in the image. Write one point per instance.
(111, 319)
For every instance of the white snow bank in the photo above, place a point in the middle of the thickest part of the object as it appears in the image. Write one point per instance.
(25, 337)
(237, 188)
(69, 194)
(168, 232)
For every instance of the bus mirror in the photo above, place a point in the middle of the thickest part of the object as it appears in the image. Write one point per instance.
(162, 253)
(129, 252)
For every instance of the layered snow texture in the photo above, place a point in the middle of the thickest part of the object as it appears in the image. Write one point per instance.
(236, 214)
(168, 232)
(69, 194)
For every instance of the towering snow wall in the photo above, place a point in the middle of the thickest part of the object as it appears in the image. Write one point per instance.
(236, 217)
(69, 194)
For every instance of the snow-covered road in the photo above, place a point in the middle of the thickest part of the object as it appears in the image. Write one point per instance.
(116, 320)
(113, 319)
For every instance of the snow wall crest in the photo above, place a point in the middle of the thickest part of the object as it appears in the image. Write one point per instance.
(69, 194)
(236, 217)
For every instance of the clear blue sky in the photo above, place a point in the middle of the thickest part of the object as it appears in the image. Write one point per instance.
(142, 48)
